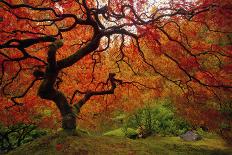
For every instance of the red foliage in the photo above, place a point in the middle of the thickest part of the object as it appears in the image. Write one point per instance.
(181, 46)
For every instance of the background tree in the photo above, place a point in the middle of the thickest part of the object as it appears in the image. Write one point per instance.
(73, 51)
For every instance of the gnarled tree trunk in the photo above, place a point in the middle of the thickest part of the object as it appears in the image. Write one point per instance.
(48, 91)
(67, 113)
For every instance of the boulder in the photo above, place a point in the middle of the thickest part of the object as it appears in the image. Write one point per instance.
(190, 136)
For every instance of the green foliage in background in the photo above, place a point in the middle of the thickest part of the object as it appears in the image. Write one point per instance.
(14, 136)
(159, 117)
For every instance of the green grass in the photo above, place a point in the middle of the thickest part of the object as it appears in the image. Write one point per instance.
(120, 132)
(64, 144)
(176, 146)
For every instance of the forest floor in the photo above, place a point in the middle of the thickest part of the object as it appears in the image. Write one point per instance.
(63, 144)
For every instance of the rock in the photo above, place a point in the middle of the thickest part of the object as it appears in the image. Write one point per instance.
(143, 132)
(191, 136)
(133, 136)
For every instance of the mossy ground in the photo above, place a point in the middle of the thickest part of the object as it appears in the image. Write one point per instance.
(120, 132)
(64, 144)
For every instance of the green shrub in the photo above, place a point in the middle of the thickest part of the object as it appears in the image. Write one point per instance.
(206, 134)
(158, 117)
(15, 135)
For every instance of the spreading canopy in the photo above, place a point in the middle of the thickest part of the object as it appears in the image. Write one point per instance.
(88, 48)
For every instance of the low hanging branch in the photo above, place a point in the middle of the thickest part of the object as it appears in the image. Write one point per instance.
(89, 94)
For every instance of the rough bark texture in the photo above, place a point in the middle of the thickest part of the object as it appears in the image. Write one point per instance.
(47, 90)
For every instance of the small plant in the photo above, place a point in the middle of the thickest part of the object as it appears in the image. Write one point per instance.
(14, 136)
(158, 117)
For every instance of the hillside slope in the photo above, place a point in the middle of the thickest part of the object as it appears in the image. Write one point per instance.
(63, 144)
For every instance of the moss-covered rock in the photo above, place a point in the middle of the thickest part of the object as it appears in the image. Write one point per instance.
(122, 132)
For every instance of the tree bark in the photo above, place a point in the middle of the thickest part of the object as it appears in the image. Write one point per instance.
(67, 113)
(48, 91)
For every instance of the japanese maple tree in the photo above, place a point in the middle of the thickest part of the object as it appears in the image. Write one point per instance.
(72, 50)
